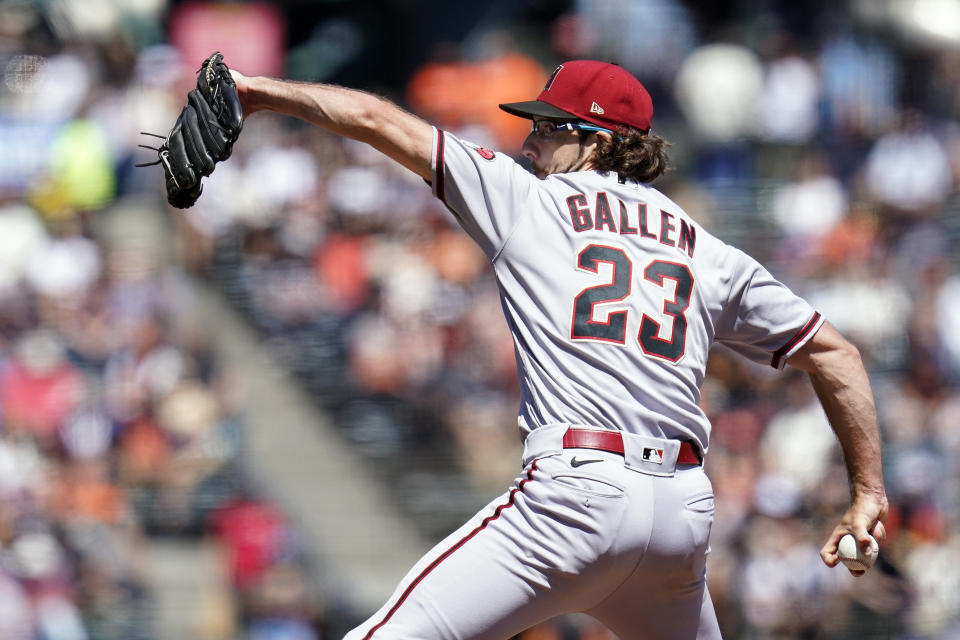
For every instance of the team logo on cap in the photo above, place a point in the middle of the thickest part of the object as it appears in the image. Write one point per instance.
(597, 109)
(553, 76)
(653, 455)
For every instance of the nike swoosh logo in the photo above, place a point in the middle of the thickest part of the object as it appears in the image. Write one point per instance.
(574, 462)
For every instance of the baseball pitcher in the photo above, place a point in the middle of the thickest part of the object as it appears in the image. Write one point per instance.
(613, 295)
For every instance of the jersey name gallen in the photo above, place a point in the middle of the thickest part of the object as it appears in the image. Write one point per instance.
(601, 218)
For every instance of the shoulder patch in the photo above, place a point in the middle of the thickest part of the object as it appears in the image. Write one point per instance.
(485, 153)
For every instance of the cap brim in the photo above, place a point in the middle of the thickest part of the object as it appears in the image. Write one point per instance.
(532, 108)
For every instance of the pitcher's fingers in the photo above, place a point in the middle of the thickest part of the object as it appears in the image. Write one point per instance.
(879, 532)
(828, 553)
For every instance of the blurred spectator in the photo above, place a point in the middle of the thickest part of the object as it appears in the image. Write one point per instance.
(456, 93)
(38, 388)
(947, 312)
(784, 593)
(21, 234)
(907, 169)
(798, 443)
(255, 535)
(871, 308)
(66, 266)
(79, 174)
(787, 105)
(612, 26)
(808, 209)
(717, 88)
(860, 84)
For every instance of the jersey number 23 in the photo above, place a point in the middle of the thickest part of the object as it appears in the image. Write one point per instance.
(614, 328)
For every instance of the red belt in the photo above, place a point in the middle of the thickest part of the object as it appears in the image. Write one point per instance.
(612, 441)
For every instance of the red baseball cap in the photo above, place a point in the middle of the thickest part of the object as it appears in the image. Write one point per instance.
(600, 93)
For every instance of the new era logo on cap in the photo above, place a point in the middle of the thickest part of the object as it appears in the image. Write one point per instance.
(595, 108)
(653, 455)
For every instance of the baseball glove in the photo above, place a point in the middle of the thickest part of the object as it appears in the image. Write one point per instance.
(203, 134)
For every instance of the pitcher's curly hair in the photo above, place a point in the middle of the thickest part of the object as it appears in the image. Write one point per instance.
(632, 155)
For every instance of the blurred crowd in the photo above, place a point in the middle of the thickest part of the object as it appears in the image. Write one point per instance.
(823, 141)
(117, 422)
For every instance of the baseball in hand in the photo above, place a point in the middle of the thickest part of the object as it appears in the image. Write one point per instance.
(853, 557)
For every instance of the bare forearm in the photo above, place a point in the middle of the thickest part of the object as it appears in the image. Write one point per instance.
(348, 112)
(841, 383)
(844, 391)
(343, 111)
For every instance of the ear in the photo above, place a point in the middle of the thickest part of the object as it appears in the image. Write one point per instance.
(589, 142)
(604, 134)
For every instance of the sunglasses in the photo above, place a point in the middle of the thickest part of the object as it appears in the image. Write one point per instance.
(546, 128)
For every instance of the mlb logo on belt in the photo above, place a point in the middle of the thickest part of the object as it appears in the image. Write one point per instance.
(653, 455)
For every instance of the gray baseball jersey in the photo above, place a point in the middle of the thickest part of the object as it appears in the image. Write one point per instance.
(613, 295)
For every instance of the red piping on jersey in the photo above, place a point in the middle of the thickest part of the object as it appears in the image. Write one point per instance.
(785, 349)
(446, 554)
(440, 168)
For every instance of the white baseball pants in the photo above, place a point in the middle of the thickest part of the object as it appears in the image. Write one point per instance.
(578, 532)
